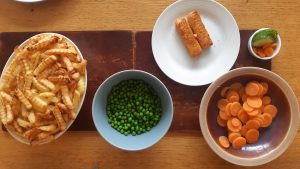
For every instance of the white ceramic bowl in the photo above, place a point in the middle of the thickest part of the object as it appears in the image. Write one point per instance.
(274, 140)
(21, 139)
(276, 51)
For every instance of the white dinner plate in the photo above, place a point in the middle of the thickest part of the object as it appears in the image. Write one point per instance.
(171, 55)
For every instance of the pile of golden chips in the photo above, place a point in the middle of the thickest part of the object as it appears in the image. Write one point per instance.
(42, 87)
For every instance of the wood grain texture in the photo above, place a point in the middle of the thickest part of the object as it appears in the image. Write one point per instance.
(67, 15)
(108, 52)
(85, 150)
(177, 149)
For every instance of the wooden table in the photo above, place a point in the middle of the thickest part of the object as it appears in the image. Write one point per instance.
(177, 149)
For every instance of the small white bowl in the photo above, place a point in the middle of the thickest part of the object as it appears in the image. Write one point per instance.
(276, 51)
(14, 134)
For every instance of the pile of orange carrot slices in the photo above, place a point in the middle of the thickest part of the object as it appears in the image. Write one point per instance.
(243, 110)
(266, 50)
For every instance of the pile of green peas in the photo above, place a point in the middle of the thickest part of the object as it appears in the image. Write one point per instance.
(133, 107)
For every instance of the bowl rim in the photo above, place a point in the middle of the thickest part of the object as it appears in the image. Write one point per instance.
(289, 136)
(276, 51)
(12, 56)
(120, 73)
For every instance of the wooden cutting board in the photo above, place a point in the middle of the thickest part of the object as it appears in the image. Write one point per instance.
(108, 52)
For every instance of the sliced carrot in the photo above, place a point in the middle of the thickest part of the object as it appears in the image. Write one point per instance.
(236, 122)
(238, 143)
(267, 120)
(221, 122)
(261, 53)
(261, 117)
(265, 86)
(243, 116)
(232, 128)
(222, 104)
(224, 91)
(270, 109)
(256, 52)
(228, 110)
(234, 98)
(243, 119)
(235, 107)
(259, 120)
(269, 51)
(231, 93)
(254, 49)
(247, 108)
(243, 130)
(254, 101)
(252, 135)
(236, 86)
(266, 100)
(261, 89)
(232, 136)
(252, 124)
(223, 115)
(252, 89)
(255, 112)
(224, 142)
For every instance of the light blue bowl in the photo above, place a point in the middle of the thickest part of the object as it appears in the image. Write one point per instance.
(130, 142)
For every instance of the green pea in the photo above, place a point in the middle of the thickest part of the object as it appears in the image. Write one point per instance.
(133, 107)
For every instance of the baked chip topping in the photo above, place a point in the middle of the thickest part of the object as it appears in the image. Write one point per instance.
(42, 87)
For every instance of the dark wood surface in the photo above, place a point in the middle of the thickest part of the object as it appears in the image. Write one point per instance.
(108, 52)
